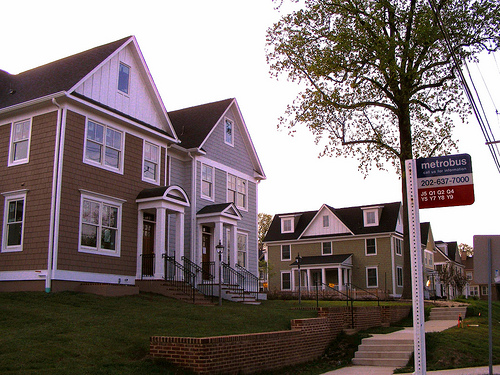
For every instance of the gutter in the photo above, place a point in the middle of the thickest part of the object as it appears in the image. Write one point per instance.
(55, 196)
(32, 102)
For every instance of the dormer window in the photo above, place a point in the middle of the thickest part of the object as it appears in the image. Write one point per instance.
(371, 216)
(124, 78)
(287, 225)
(326, 221)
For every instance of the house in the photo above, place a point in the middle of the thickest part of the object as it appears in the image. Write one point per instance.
(361, 246)
(450, 270)
(472, 289)
(430, 276)
(102, 185)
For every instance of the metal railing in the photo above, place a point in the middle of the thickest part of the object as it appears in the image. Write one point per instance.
(351, 290)
(180, 276)
(204, 277)
(148, 265)
(233, 278)
(250, 281)
(327, 289)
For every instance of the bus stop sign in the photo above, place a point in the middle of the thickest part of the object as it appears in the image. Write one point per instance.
(445, 181)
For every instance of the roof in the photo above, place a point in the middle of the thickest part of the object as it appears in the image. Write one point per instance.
(322, 259)
(424, 232)
(54, 77)
(351, 217)
(194, 124)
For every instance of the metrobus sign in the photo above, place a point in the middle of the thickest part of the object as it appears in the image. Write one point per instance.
(445, 181)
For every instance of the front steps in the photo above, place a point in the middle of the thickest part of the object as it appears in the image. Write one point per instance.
(172, 289)
(232, 293)
(448, 313)
(395, 349)
(375, 351)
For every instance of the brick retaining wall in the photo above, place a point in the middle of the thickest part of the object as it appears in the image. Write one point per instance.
(245, 354)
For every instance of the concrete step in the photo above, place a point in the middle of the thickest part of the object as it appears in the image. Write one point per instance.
(379, 362)
(403, 355)
(447, 313)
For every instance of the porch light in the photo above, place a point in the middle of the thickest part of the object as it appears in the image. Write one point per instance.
(220, 249)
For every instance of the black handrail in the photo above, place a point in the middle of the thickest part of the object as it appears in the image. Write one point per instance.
(250, 281)
(330, 289)
(183, 278)
(202, 276)
(148, 265)
(350, 287)
(234, 278)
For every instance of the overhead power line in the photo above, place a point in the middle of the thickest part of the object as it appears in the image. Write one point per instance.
(489, 137)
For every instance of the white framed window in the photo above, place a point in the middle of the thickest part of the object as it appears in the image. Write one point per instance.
(474, 290)
(326, 221)
(124, 78)
(286, 281)
(228, 132)
(399, 276)
(468, 275)
(242, 249)
(103, 146)
(370, 246)
(207, 182)
(287, 225)
(370, 217)
(326, 248)
(13, 221)
(484, 290)
(151, 163)
(20, 139)
(237, 191)
(286, 252)
(398, 246)
(372, 277)
(100, 224)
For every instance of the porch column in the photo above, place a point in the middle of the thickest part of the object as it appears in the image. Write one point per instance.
(292, 281)
(218, 238)
(160, 249)
(234, 246)
(308, 280)
(179, 236)
(140, 230)
(323, 278)
(339, 274)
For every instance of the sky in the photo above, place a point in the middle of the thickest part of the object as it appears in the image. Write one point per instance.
(201, 51)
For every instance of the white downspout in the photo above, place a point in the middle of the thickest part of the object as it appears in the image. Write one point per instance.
(55, 197)
(193, 209)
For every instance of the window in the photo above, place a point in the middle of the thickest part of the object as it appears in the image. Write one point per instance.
(103, 146)
(228, 132)
(286, 281)
(468, 275)
(484, 290)
(150, 169)
(474, 291)
(123, 78)
(207, 182)
(13, 228)
(371, 277)
(371, 216)
(20, 142)
(242, 250)
(286, 225)
(399, 275)
(398, 244)
(237, 191)
(371, 247)
(326, 221)
(326, 248)
(285, 252)
(100, 225)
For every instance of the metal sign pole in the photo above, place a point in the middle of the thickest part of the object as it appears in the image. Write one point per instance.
(416, 267)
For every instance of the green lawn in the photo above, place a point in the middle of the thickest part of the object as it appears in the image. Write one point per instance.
(71, 333)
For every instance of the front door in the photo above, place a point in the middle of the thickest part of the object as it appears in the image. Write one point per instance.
(205, 255)
(148, 248)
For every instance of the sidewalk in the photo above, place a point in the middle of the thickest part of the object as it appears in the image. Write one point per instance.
(430, 326)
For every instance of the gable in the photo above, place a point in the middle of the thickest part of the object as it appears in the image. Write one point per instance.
(141, 101)
(325, 223)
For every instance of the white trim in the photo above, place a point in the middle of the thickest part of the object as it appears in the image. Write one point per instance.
(13, 196)
(91, 277)
(101, 199)
(102, 163)
(292, 224)
(366, 275)
(129, 79)
(224, 123)
(11, 162)
(155, 181)
(281, 252)
(281, 280)
(203, 196)
(23, 275)
(366, 246)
